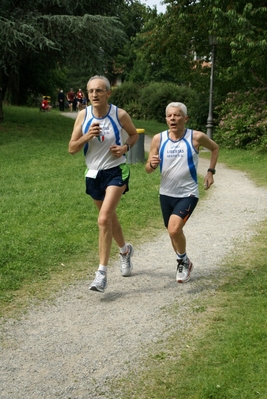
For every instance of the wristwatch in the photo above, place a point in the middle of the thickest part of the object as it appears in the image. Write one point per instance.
(213, 171)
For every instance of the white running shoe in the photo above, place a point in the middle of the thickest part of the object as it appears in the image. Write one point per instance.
(184, 268)
(100, 282)
(126, 264)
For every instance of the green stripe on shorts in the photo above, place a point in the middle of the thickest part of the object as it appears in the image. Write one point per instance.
(125, 170)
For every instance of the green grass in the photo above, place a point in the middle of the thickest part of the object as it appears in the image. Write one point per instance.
(253, 163)
(151, 127)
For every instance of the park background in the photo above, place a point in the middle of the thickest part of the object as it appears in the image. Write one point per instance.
(150, 59)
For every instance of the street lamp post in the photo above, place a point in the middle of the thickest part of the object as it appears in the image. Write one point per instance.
(210, 125)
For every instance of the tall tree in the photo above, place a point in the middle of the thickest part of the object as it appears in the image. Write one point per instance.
(65, 31)
(133, 15)
(241, 31)
(175, 46)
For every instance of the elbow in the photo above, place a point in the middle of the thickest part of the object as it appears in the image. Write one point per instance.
(71, 150)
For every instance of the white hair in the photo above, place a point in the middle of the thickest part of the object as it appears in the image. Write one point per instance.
(102, 78)
(182, 107)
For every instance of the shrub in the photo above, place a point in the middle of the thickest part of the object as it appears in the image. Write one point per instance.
(149, 102)
(156, 96)
(135, 110)
(125, 94)
(243, 120)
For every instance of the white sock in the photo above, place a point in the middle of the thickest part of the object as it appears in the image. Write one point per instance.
(103, 268)
(124, 249)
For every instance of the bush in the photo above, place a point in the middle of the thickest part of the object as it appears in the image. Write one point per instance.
(243, 120)
(125, 94)
(156, 96)
(135, 110)
(149, 102)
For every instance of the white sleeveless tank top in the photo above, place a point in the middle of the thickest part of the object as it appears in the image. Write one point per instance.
(178, 166)
(97, 153)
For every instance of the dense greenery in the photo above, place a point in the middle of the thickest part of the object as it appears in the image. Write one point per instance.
(175, 47)
(243, 120)
(46, 45)
(38, 39)
(149, 101)
(178, 42)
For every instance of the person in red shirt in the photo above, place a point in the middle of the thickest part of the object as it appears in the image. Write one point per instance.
(45, 106)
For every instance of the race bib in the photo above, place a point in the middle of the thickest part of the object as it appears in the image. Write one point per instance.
(92, 173)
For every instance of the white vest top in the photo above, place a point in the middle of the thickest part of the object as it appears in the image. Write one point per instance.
(97, 153)
(178, 166)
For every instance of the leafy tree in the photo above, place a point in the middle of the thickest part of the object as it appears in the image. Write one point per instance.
(241, 31)
(161, 55)
(134, 16)
(65, 32)
(175, 46)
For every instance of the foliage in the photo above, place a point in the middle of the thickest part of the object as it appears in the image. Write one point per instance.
(129, 40)
(157, 58)
(44, 25)
(156, 96)
(242, 26)
(175, 46)
(243, 120)
(126, 93)
(240, 29)
(63, 33)
(134, 19)
(149, 101)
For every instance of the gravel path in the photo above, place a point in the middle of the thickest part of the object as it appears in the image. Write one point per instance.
(75, 346)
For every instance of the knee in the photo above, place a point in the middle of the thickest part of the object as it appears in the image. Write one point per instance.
(175, 231)
(104, 222)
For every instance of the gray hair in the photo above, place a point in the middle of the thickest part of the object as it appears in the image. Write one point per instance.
(182, 107)
(102, 78)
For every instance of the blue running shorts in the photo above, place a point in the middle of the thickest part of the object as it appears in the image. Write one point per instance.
(117, 176)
